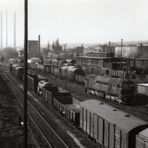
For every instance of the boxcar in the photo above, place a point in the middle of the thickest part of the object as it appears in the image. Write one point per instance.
(142, 139)
(49, 92)
(40, 67)
(142, 88)
(47, 68)
(32, 82)
(71, 72)
(73, 113)
(80, 76)
(108, 126)
(19, 72)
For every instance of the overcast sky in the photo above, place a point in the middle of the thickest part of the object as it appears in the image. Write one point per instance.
(78, 21)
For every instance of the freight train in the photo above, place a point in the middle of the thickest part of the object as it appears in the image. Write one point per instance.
(114, 88)
(104, 124)
(109, 84)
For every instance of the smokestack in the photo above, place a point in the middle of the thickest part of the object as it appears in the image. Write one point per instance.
(14, 30)
(121, 46)
(141, 48)
(6, 30)
(39, 40)
(1, 30)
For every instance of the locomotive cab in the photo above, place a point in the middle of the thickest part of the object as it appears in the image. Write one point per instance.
(127, 92)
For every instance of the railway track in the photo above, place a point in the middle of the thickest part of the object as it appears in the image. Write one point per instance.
(49, 136)
(73, 137)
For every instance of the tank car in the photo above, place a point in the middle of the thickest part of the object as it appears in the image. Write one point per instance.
(116, 89)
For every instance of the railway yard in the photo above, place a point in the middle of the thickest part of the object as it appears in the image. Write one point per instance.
(10, 126)
(73, 74)
(63, 118)
(51, 130)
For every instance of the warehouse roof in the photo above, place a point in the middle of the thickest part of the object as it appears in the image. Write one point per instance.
(112, 115)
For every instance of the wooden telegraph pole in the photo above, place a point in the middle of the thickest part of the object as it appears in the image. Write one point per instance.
(25, 69)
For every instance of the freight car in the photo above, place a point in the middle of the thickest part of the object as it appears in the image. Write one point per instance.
(108, 126)
(17, 70)
(117, 89)
(72, 113)
(142, 139)
(60, 102)
(142, 88)
(74, 73)
(50, 91)
(32, 82)
(32, 79)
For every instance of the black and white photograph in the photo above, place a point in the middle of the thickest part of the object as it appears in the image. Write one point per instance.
(74, 74)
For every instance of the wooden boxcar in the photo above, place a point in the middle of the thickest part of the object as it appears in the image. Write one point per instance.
(108, 126)
(73, 113)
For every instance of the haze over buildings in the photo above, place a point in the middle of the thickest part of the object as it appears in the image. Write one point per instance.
(77, 21)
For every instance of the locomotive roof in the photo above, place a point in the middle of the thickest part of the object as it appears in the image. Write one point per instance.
(110, 79)
(144, 134)
(113, 115)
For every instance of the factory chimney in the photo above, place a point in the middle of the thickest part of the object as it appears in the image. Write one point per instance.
(1, 30)
(6, 30)
(39, 40)
(14, 30)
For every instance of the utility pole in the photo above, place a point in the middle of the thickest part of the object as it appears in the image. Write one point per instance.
(25, 69)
